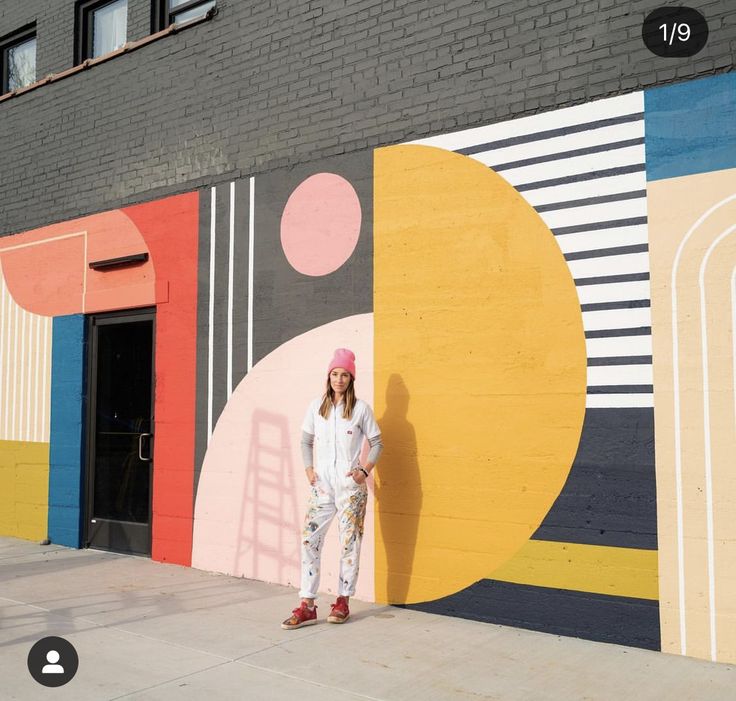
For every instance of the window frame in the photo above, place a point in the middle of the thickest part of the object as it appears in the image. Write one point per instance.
(84, 29)
(9, 41)
(163, 15)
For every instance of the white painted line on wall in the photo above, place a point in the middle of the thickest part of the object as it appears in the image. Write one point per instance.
(251, 236)
(617, 318)
(678, 419)
(45, 382)
(31, 352)
(609, 265)
(231, 254)
(211, 313)
(38, 397)
(8, 338)
(618, 346)
(603, 238)
(18, 246)
(20, 365)
(16, 329)
(618, 401)
(2, 347)
(613, 291)
(619, 375)
(708, 439)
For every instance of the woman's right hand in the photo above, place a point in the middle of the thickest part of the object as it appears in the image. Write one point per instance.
(311, 475)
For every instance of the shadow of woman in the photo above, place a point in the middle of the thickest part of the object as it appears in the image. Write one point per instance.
(398, 493)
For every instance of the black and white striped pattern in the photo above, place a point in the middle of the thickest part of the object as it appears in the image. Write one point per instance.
(582, 169)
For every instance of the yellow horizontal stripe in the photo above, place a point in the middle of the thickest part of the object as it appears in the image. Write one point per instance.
(598, 569)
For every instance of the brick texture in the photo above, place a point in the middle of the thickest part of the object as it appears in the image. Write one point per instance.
(271, 84)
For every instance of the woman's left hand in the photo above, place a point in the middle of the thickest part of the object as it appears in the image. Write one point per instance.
(357, 475)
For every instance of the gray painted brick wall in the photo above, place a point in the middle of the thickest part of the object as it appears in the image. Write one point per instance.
(271, 84)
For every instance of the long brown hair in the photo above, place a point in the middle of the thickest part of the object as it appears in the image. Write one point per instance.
(350, 399)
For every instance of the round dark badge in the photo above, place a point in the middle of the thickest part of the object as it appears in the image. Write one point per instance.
(675, 32)
(53, 661)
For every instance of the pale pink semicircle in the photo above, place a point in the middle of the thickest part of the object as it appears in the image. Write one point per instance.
(320, 224)
(252, 492)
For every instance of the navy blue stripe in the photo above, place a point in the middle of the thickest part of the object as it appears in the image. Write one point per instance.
(597, 226)
(611, 333)
(604, 280)
(603, 252)
(623, 304)
(587, 201)
(621, 360)
(580, 177)
(620, 389)
(551, 133)
(601, 617)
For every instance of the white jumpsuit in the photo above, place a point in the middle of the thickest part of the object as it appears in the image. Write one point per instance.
(337, 446)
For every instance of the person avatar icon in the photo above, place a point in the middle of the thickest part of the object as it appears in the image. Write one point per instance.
(52, 668)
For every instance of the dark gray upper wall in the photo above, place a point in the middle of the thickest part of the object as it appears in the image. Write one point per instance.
(269, 84)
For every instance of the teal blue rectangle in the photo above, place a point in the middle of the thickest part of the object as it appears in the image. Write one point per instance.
(690, 127)
(67, 431)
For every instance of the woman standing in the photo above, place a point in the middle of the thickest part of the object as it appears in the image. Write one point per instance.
(333, 429)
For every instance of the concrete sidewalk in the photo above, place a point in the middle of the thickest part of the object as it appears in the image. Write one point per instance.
(146, 630)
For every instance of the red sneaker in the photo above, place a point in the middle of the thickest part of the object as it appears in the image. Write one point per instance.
(340, 611)
(301, 616)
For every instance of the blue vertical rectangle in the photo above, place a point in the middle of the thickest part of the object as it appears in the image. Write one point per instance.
(66, 468)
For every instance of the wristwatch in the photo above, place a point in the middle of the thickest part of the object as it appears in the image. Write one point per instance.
(362, 469)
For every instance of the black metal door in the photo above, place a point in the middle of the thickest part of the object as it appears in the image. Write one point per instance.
(120, 431)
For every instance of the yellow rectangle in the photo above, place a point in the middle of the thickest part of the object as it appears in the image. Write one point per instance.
(598, 569)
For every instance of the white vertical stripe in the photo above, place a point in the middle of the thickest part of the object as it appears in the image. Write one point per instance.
(2, 346)
(230, 293)
(20, 369)
(211, 314)
(707, 442)
(29, 380)
(251, 236)
(13, 425)
(45, 383)
(678, 419)
(37, 396)
(8, 337)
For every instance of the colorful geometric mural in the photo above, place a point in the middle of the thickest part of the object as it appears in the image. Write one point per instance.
(582, 170)
(495, 286)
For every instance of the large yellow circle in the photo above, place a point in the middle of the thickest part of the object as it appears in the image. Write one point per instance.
(480, 366)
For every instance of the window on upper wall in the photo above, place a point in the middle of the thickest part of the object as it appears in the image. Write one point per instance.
(18, 57)
(166, 12)
(102, 27)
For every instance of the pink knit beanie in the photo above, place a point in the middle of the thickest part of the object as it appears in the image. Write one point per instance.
(343, 358)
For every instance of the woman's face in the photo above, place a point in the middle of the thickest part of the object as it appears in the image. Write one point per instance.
(339, 379)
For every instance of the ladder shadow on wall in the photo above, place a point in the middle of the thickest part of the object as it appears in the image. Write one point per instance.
(269, 509)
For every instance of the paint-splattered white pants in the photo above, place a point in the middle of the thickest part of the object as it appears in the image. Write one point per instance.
(334, 493)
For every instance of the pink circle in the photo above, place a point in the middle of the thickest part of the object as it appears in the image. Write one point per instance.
(320, 224)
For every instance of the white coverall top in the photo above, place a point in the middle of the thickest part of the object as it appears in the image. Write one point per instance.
(338, 441)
